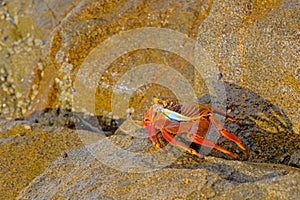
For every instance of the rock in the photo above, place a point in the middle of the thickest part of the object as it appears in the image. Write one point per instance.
(82, 176)
(27, 149)
(253, 44)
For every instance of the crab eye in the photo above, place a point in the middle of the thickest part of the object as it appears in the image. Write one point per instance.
(146, 120)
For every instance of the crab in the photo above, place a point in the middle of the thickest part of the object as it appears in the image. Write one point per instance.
(168, 118)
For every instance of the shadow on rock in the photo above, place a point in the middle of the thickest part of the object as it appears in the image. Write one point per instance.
(103, 124)
(232, 174)
(264, 128)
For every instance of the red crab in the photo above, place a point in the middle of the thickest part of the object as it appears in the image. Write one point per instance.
(169, 118)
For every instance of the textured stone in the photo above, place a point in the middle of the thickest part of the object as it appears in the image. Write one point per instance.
(81, 176)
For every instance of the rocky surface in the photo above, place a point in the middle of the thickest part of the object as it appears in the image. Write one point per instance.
(92, 57)
(27, 149)
(81, 176)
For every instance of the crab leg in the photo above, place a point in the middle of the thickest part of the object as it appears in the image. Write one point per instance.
(208, 143)
(153, 135)
(224, 114)
(223, 132)
(174, 142)
(155, 141)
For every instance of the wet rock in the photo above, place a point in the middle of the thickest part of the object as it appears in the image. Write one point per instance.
(95, 23)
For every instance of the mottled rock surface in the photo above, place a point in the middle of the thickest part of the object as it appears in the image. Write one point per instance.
(106, 59)
(81, 176)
